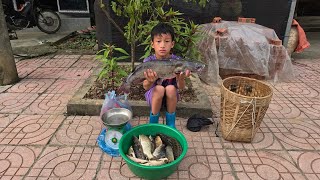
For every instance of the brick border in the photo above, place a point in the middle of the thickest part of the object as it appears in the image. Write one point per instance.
(79, 106)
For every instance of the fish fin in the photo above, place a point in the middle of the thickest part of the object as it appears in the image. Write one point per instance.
(137, 68)
(125, 87)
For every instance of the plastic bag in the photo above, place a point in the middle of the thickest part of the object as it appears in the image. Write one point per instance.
(104, 147)
(207, 48)
(113, 101)
(243, 48)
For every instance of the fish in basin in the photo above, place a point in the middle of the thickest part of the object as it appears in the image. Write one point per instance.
(166, 149)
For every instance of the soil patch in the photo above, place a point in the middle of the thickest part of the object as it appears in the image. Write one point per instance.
(100, 87)
(194, 99)
(76, 41)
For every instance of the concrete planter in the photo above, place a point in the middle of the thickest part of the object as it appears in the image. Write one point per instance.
(80, 106)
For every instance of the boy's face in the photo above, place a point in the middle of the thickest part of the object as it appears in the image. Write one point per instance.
(162, 45)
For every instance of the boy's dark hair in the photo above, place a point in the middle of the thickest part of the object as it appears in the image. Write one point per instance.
(162, 28)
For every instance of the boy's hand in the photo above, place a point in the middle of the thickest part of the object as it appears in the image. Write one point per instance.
(151, 76)
(183, 75)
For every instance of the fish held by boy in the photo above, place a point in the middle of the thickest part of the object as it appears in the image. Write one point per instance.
(165, 69)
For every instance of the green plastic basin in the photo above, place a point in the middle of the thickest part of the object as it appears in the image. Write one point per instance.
(152, 172)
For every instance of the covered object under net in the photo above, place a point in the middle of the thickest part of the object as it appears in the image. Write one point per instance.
(237, 48)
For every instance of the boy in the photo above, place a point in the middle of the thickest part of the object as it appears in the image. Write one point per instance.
(162, 41)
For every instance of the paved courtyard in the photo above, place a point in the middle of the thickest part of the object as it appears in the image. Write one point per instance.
(38, 141)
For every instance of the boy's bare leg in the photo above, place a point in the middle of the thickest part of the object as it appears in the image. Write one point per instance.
(171, 97)
(157, 95)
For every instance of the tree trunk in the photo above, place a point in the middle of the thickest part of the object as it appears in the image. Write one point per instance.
(133, 54)
(8, 70)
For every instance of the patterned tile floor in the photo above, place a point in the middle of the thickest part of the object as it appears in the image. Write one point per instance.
(37, 141)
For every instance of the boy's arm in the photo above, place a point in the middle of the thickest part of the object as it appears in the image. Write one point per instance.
(151, 77)
(147, 85)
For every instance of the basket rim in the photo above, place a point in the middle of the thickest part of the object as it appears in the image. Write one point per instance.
(232, 77)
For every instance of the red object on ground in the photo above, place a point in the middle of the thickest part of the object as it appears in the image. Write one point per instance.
(303, 42)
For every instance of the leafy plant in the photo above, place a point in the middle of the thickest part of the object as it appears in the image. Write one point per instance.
(111, 70)
(186, 35)
(133, 10)
(137, 29)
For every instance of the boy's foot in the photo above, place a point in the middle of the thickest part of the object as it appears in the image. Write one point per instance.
(154, 118)
(171, 119)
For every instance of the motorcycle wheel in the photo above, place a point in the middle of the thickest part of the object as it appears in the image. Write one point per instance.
(48, 21)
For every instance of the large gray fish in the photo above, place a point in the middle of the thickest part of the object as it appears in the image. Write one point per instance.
(165, 69)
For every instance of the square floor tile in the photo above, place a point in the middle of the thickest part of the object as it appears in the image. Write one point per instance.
(16, 102)
(31, 129)
(78, 130)
(16, 160)
(66, 162)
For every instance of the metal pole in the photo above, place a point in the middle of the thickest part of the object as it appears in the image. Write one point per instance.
(288, 28)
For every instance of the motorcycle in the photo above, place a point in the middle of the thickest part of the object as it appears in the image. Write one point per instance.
(31, 14)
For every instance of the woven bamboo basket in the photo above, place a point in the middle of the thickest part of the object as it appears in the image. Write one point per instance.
(244, 102)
